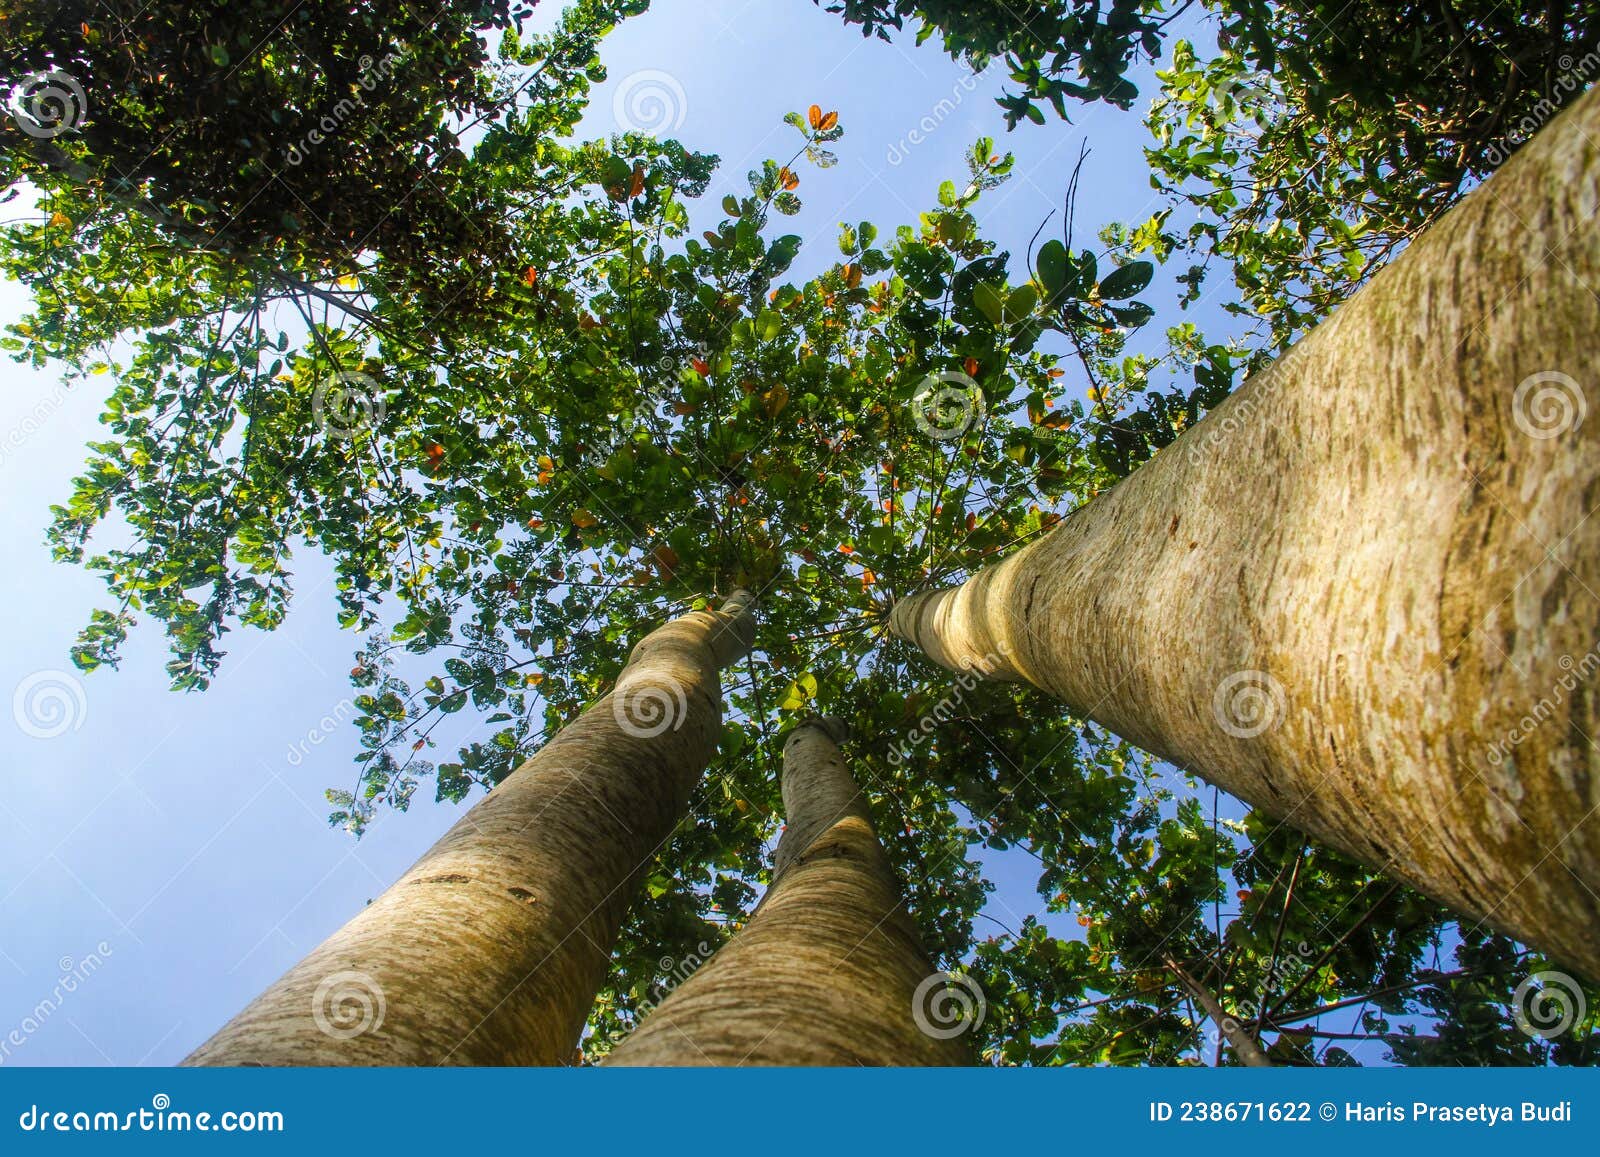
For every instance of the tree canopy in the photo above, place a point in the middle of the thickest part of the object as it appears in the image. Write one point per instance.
(536, 411)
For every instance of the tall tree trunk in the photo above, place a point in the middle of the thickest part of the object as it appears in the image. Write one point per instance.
(489, 950)
(1363, 595)
(829, 971)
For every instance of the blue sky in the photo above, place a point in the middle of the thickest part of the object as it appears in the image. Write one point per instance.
(177, 838)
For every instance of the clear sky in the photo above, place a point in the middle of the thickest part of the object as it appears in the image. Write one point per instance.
(182, 839)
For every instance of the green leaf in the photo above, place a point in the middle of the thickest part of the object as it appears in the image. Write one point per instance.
(799, 692)
(989, 302)
(1132, 315)
(1021, 303)
(1127, 281)
(1053, 268)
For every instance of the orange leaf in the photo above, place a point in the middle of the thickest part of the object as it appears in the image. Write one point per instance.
(775, 399)
(787, 178)
(529, 276)
(636, 186)
(867, 578)
(828, 121)
(846, 548)
(701, 366)
(583, 519)
(852, 275)
(666, 560)
(972, 367)
(681, 408)
(815, 116)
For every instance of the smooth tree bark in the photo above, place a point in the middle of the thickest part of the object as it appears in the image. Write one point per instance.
(489, 950)
(829, 970)
(1363, 594)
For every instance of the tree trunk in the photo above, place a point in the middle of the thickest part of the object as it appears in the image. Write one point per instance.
(1361, 595)
(829, 971)
(489, 950)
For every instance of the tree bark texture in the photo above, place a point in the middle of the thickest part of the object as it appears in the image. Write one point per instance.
(1363, 594)
(489, 950)
(829, 970)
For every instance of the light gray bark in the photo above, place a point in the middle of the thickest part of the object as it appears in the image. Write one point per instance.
(489, 950)
(1361, 595)
(829, 970)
